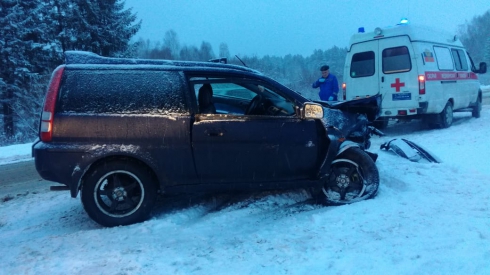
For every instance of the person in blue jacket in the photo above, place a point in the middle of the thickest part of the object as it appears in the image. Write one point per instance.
(329, 86)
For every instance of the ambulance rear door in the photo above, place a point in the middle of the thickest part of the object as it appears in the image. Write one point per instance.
(361, 74)
(399, 85)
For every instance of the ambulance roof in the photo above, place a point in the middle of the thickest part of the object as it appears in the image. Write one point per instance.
(414, 32)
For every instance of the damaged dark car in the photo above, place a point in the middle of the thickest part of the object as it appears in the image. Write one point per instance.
(123, 131)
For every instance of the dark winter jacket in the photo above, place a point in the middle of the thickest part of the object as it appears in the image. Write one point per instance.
(329, 87)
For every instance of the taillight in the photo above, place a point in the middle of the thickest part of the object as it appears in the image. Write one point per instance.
(421, 84)
(344, 91)
(46, 127)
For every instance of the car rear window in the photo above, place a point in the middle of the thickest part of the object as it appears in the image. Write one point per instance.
(362, 64)
(121, 92)
(396, 60)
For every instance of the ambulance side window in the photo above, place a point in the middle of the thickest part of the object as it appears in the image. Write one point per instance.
(444, 59)
(459, 60)
(362, 64)
(396, 60)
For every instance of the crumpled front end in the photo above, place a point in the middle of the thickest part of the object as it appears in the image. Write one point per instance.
(350, 119)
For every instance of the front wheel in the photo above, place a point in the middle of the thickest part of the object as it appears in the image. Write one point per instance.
(476, 112)
(353, 177)
(119, 193)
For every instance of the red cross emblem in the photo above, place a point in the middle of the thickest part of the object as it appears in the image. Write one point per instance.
(398, 84)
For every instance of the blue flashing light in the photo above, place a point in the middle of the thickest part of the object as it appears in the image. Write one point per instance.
(360, 30)
(404, 21)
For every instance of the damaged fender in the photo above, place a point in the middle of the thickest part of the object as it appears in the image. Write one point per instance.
(336, 148)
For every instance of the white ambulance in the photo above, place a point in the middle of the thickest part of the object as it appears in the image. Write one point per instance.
(419, 72)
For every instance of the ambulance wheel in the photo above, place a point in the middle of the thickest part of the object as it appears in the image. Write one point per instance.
(446, 116)
(353, 177)
(477, 108)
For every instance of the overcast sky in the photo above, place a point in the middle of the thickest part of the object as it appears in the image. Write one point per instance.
(280, 27)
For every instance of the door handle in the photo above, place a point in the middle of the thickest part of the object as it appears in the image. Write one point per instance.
(382, 79)
(214, 132)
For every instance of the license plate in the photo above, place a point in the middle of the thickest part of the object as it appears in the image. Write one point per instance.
(402, 96)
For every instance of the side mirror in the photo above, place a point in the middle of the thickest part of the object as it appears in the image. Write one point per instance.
(483, 68)
(312, 110)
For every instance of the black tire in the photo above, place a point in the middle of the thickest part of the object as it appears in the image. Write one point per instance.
(353, 177)
(477, 108)
(119, 193)
(446, 116)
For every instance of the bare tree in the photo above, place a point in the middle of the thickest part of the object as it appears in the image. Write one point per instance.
(224, 51)
(475, 36)
(190, 53)
(171, 42)
(206, 51)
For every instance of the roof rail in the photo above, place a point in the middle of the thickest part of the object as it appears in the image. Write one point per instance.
(83, 57)
(223, 60)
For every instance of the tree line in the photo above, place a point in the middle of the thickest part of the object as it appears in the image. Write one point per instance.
(34, 34)
(296, 71)
(475, 36)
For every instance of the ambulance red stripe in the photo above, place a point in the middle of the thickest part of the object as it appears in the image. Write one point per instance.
(436, 76)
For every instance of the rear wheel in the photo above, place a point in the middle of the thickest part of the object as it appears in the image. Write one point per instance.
(353, 177)
(446, 116)
(477, 108)
(119, 193)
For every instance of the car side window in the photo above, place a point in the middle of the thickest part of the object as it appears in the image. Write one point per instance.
(444, 59)
(232, 90)
(244, 97)
(120, 91)
(228, 98)
(459, 60)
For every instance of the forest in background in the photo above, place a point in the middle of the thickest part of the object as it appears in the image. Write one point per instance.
(34, 34)
(295, 71)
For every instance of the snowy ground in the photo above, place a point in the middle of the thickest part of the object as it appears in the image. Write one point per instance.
(427, 219)
(486, 90)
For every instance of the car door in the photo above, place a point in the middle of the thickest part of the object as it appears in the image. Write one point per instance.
(447, 78)
(234, 148)
(361, 73)
(467, 85)
(398, 76)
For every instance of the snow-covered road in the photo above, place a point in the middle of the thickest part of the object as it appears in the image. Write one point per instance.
(427, 219)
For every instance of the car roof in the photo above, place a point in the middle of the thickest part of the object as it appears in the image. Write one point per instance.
(414, 32)
(89, 58)
(92, 61)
